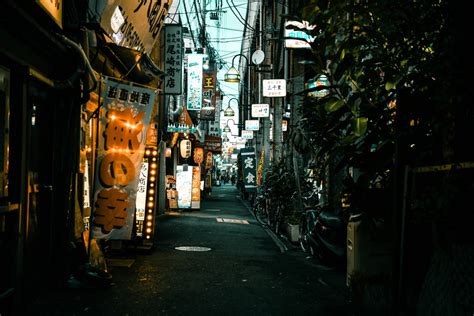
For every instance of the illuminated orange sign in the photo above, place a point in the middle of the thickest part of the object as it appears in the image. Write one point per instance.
(124, 125)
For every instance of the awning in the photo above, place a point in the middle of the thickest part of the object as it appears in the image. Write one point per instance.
(135, 66)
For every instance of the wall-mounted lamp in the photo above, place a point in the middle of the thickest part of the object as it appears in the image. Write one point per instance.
(227, 127)
(229, 112)
(233, 74)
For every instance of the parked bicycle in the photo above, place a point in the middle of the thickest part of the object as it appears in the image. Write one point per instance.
(260, 208)
(307, 219)
(268, 209)
(273, 199)
(275, 213)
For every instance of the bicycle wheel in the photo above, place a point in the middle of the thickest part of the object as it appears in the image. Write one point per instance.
(260, 213)
(275, 219)
(303, 237)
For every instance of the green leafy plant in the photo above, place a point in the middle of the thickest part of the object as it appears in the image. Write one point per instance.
(382, 61)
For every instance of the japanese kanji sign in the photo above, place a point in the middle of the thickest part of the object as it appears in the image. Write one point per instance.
(141, 192)
(124, 122)
(208, 111)
(260, 110)
(173, 59)
(247, 156)
(133, 24)
(274, 88)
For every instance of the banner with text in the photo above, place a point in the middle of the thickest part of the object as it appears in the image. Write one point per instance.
(133, 24)
(173, 59)
(247, 156)
(124, 122)
(194, 101)
(208, 111)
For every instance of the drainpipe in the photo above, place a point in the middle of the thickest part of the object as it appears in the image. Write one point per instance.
(85, 66)
(69, 82)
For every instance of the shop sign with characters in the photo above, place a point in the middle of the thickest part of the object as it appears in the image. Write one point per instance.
(249, 169)
(124, 122)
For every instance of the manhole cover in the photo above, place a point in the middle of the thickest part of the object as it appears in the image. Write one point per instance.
(192, 248)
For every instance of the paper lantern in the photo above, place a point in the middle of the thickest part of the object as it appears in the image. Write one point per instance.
(185, 148)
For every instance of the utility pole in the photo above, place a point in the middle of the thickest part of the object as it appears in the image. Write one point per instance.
(278, 103)
(266, 121)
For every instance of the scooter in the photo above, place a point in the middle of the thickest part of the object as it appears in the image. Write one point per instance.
(324, 234)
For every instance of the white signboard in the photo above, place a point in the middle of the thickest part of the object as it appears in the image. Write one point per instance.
(140, 202)
(194, 101)
(274, 88)
(184, 185)
(252, 125)
(247, 134)
(260, 110)
(87, 196)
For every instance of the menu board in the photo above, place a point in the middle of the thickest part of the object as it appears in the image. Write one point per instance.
(184, 178)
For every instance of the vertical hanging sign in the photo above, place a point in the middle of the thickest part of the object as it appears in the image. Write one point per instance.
(123, 129)
(208, 111)
(141, 201)
(196, 188)
(173, 59)
(247, 156)
(194, 101)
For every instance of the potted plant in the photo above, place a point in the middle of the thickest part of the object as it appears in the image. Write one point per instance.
(292, 221)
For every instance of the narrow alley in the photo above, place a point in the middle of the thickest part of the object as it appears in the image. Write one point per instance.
(228, 265)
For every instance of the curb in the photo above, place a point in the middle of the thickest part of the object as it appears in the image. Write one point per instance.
(278, 241)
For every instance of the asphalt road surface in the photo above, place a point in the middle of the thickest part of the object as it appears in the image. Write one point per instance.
(214, 261)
